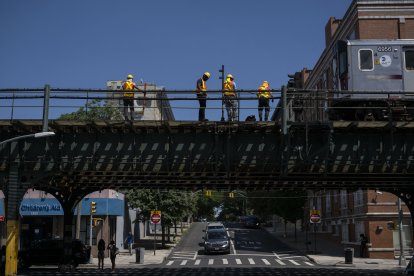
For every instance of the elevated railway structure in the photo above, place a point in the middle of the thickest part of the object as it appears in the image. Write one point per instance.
(287, 153)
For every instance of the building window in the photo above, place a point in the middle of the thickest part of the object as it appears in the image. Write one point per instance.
(366, 60)
(359, 229)
(328, 202)
(358, 198)
(409, 59)
(344, 199)
(345, 232)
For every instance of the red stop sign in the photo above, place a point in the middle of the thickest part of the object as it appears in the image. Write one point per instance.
(155, 218)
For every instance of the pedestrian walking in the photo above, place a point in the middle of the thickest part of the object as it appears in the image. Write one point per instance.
(364, 240)
(229, 97)
(101, 254)
(201, 89)
(129, 240)
(129, 87)
(113, 251)
(264, 95)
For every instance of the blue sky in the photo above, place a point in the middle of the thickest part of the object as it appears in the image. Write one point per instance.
(84, 43)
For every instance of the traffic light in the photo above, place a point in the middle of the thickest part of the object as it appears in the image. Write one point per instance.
(93, 207)
(231, 195)
(295, 80)
(208, 193)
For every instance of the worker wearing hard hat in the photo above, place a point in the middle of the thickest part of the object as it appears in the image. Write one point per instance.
(264, 95)
(229, 97)
(129, 87)
(201, 90)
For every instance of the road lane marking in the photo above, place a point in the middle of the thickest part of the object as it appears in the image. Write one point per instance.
(184, 262)
(277, 256)
(238, 261)
(280, 262)
(308, 263)
(210, 261)
(225, 261)
(197, 262)
(293, 262)
(232, 244)
(251, 261)
(195, 255)
(170, 262)
(266, 262)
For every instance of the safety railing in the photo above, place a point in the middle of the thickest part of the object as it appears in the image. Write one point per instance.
(285, 105)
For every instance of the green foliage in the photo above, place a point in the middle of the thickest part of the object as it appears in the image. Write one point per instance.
(96, 110)
(286, 204)
(174, 205)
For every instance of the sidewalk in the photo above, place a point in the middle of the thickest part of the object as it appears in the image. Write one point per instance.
(329, 253)
(123, 259)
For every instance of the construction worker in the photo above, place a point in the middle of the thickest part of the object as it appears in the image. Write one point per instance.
(229, 98)
(264, 96)
(129, 87)
(201, 90)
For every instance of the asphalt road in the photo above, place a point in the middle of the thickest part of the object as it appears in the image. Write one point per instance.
(249, 248)
(210, 271)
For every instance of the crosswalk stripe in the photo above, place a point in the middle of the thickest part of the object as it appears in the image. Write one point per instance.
(197, 262)
(266, 262)
(251, 261)
(210, 261)
(238, 261)
(170, 262)
(225, 261)
(308, 263)
(293, 262)
(184, 262)
(280, 262)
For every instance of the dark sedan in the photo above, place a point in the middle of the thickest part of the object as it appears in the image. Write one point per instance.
(50, 252)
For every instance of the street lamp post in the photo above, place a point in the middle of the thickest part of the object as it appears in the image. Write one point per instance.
(12, 220)
(34, 135)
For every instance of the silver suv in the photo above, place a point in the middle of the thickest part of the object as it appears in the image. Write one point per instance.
(216, 240)
(215, 226)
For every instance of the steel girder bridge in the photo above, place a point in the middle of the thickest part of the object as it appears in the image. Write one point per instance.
(86, 157)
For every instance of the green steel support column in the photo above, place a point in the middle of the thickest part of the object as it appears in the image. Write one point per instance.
(12, 220)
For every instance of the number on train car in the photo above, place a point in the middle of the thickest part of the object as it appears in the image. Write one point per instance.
(384, 49)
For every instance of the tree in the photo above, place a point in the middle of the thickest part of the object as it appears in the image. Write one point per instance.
(174, 205)
(95, 110)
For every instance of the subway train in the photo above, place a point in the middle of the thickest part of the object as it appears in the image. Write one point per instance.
(372, 80)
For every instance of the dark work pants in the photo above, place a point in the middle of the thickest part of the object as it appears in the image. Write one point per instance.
(264, 104)
(202, 111)
(129, 103)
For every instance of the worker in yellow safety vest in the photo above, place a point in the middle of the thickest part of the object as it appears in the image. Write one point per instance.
(229, 98)
(264, 95)
(129, 87)
(201, 90)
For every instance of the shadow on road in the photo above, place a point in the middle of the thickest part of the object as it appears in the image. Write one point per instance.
(218, 271)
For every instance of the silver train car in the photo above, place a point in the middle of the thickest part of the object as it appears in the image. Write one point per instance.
(375, 80)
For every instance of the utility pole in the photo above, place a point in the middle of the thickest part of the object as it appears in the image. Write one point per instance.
(222, 88)
(401, 260)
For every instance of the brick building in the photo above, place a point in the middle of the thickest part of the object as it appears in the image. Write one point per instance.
(347, 214)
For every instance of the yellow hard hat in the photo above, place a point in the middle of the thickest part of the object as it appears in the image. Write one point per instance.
(130, 76)
(230, 76)
(207, 74)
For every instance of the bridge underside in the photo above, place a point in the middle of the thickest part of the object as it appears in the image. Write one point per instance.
(190, 155)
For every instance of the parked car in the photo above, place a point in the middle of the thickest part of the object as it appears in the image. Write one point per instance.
(215, 226)
(50, 252)
(409, 270)
(251, 222)
(216, 240)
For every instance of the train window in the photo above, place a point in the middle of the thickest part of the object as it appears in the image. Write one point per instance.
(409, 59)
(366, 60)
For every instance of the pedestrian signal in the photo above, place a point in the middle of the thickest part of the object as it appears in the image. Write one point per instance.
(93, 207)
